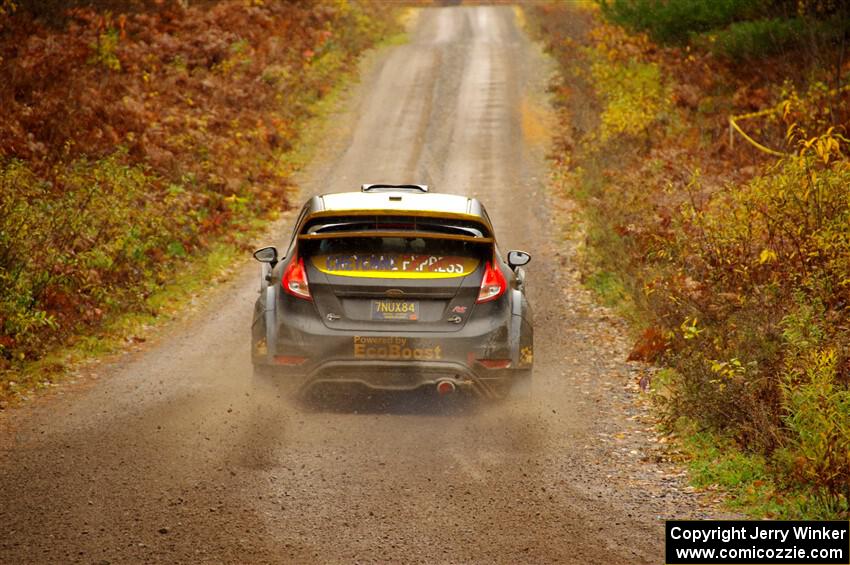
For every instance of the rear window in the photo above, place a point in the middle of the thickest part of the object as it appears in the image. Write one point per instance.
(394, 257)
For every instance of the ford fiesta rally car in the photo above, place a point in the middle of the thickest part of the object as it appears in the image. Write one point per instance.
(394, 288)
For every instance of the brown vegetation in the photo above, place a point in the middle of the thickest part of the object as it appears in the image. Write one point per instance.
(131, 141)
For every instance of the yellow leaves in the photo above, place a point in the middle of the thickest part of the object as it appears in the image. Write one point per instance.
(633, 93)
(727, 371)
(689, 328)
(7, 7)
(807, 143)
(767, 256)
(814, 110)
(827, 147)
(791, 132)
(104, 50)
(817, 416)
(830, 145)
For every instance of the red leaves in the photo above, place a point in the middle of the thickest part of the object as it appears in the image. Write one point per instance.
(687, 95)
(649, 346)
(191, 72)
(130, 141)
(751, 99)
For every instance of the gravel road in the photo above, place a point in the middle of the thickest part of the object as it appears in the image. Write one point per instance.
(168, 453)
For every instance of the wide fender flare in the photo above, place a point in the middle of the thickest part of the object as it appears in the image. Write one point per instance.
(265, 274)
(515, 331)
(521, 342)
(270, 320)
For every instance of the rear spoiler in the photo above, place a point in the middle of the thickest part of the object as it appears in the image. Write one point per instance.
(475, 220)
(382, 233)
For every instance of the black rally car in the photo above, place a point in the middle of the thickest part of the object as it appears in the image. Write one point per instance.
(394, 288)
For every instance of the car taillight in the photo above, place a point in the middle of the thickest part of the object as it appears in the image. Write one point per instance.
(495, 363)
(493, 284)
(294, 279)
(289, 360)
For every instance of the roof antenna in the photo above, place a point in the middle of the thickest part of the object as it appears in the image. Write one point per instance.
(393, 187)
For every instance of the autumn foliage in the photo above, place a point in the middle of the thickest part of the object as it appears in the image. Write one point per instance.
(132, 141)
(735, 262)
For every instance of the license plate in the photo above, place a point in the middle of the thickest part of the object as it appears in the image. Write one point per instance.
(395, 310)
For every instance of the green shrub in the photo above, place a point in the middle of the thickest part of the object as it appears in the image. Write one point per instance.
(818, 417)
(673, 21)
(70, 246)
(760, 38)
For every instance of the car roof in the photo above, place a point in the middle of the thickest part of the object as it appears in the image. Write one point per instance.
(398, 202)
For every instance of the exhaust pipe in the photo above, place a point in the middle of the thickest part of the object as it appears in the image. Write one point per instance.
(445, 387)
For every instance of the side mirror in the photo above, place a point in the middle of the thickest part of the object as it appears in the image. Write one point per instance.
(518, 259)
(266, 255)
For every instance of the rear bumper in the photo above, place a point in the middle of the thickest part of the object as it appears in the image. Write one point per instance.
(399, 376)
(297, 346)
(394, 363)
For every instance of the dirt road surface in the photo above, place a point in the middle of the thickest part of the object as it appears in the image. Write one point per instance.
(169, 454)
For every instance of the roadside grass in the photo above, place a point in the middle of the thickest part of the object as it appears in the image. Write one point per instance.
(601, 251)
(198, 275)
(718, 463)
(607, 286)
(714, 463)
